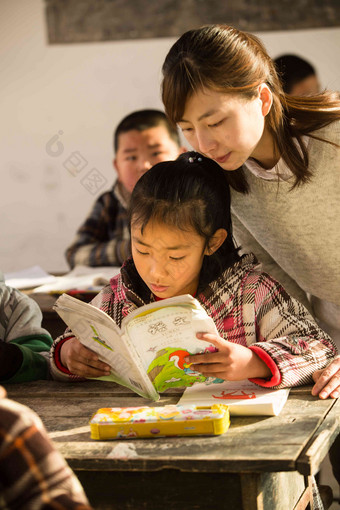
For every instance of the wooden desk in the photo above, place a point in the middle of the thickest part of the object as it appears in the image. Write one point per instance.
(260, 463)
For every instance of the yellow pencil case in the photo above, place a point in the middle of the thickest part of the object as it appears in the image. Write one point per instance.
(169, 420)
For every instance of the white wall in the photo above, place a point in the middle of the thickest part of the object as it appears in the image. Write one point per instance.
(77, 94)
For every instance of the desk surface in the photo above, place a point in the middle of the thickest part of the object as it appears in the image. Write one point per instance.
(295, 441)
(275, 443)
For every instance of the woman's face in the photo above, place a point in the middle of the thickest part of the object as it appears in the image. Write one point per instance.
(228, 128)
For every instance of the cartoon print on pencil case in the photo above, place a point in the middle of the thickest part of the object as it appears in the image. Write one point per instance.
(236, 395)
(99, 340)
(130, 433)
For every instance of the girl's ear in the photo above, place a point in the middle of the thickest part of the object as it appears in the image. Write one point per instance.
(266, 98)
(216, 241)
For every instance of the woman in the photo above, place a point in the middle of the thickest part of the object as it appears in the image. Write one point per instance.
(282, 157)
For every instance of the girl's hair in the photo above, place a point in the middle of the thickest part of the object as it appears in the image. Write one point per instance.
(224, 59)
(191, 192)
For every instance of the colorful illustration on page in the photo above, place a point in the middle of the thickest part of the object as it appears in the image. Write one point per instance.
(99, 340)
(169, 369)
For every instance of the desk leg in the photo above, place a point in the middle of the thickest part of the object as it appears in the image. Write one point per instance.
(273, 491)
(306, 497)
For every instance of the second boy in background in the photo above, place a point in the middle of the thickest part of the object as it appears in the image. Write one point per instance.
(142, 139)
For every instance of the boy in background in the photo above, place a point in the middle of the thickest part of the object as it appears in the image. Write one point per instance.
(142, 139)
(298, 77)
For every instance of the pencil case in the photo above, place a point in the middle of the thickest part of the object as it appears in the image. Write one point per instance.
(169, 420)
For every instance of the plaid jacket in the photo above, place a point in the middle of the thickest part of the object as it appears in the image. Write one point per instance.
(103, 239)
(33, 474)
(249, 308)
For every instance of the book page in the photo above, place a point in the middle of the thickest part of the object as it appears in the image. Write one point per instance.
(97, 331)
(164, 337)
(243, 397)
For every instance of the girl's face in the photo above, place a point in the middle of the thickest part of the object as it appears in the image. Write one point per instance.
(168, 259)
(228, 128)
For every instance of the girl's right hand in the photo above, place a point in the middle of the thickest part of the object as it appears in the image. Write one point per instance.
(231, 361)
(81, 361)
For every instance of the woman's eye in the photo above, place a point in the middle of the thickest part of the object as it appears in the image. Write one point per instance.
(216, 124)
(141, 252)
(176, 258)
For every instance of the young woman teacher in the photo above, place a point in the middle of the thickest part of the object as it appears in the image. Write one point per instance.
(283, 161)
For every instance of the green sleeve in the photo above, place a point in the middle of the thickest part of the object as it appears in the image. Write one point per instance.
(35, 358)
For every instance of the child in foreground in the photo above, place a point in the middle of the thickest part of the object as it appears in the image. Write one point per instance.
(182, 243)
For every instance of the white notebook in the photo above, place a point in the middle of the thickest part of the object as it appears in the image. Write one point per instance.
(244, 397)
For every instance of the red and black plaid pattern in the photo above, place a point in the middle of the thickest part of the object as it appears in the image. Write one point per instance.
(252, 309)
(249, 308)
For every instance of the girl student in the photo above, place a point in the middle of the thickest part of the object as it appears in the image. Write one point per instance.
(282, 159)
(182, 242)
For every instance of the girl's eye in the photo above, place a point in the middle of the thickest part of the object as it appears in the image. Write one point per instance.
(141, 252)
(176, 258)
(186, 129)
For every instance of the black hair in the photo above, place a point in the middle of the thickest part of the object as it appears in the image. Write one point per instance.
(145, 119)
(189, 192)
(292, 69)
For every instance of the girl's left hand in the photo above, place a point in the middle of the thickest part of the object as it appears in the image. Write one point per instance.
(232, 362)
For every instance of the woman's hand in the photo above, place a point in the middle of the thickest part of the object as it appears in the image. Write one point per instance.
(232, 362)
(327, 380)
(80, 360)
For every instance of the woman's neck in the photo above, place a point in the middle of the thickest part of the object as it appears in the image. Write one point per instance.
(265, 153)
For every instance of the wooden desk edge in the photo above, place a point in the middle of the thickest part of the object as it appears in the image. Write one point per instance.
(315, 451)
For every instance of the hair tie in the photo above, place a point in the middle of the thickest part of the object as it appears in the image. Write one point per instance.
(192, 159)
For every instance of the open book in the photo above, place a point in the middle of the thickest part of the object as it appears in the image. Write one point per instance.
(244, 398)
(147, 353)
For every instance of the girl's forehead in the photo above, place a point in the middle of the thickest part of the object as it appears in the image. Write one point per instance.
(160, 233)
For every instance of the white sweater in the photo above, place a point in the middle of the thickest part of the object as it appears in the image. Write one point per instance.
(296, 234)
